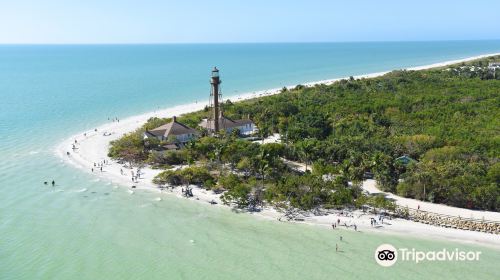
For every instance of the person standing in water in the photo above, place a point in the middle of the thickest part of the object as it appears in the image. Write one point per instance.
(53, 183)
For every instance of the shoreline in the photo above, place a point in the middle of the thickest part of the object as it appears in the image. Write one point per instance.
(93, 148)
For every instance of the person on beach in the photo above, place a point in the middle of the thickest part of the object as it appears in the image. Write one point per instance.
(121, 171)
(53, 183)
(336, 247)
(418, 207)
(101, 168)
(341, 238)
(333, 226)
(355, 227)
(92, 170)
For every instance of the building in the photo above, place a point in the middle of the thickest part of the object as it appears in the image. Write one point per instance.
(216, 120)
(181, 133)
(246, 126)
(494, 65)
(404, 160)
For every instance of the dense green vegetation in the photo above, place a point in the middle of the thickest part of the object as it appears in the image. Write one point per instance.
(447, 120)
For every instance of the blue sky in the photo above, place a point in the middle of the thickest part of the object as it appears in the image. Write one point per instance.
(164, 21)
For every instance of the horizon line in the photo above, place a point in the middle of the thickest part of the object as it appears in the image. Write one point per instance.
(235, 43)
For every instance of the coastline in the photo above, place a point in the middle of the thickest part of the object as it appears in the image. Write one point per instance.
(93, 148)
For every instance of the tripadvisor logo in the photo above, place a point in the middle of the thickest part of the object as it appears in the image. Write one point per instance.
(387, 255)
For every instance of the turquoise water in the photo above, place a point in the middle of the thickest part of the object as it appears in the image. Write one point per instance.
(51, 92)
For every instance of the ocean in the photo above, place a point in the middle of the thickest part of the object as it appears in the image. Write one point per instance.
(84, 228)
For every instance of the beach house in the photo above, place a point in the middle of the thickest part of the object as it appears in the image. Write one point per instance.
(245, 126)
(173, 131)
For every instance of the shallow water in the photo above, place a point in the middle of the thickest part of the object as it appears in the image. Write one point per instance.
(86, 228)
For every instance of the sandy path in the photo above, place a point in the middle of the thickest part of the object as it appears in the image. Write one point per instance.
(371, 187)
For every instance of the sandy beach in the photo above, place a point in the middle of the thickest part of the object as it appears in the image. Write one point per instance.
(92, 147)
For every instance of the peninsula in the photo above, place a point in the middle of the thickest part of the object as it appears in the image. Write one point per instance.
(324, 152)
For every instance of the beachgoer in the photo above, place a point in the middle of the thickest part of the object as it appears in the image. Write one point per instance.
(101, 168)
(341, 238)
(92, 170)
(53, 183)
(355, 227)
(418, 207)
(338, 221)
(121, 171)
(336, 247)
(333, 226)
(45, 183)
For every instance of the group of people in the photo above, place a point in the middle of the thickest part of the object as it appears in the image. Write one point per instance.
(135, 176)
(99, 165)
(335, 224)
(53, 183)
(115, 119)
(374, 222)
(188, 192)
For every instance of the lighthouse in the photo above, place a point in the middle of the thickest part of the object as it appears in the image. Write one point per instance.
(216, 121)
(214, 99)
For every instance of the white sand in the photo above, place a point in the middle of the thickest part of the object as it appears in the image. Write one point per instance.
(371, 187)
(93, 148)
